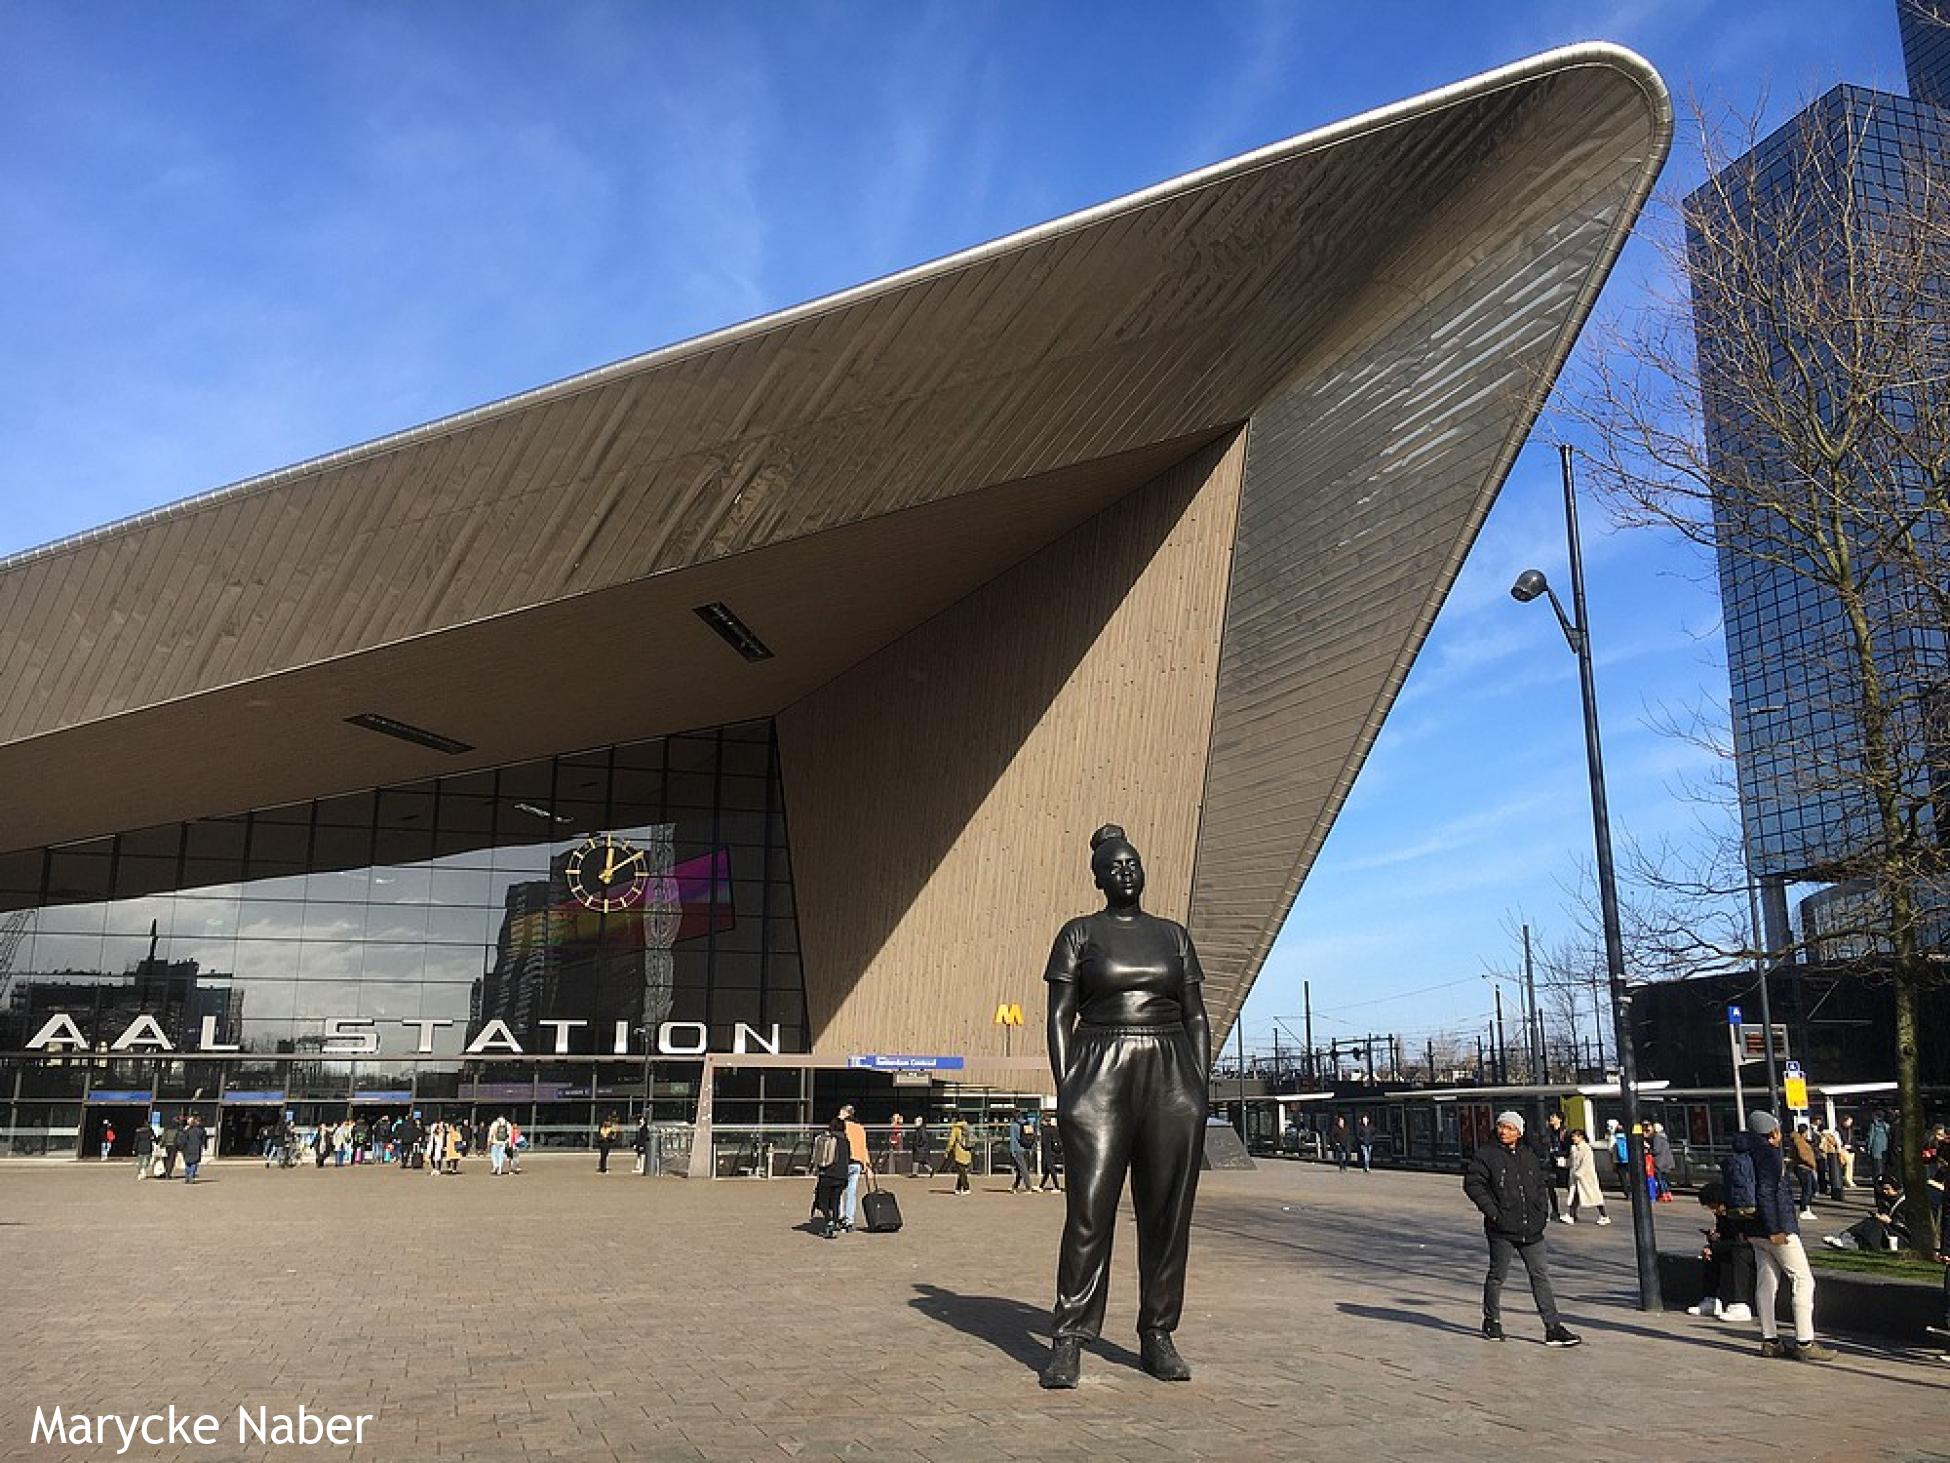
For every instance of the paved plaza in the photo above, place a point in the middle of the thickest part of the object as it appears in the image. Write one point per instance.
(566, 1315)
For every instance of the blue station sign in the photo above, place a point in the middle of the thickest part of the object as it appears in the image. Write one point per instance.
(906, 1063)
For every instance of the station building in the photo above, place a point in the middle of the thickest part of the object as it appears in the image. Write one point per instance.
(671, 737)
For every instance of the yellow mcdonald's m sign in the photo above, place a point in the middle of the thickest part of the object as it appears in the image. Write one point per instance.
(1008, 1014)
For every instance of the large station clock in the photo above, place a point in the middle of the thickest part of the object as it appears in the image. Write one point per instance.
(607, 873)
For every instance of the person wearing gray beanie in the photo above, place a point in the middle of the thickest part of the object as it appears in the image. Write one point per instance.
(1509, 1187)
(1774, 1236)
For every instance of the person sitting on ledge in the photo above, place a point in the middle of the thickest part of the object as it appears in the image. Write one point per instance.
(1729, 1261)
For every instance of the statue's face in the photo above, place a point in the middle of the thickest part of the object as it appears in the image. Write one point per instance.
(1119, 871)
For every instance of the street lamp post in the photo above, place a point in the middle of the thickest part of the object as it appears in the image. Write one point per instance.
(1576, 626)
(1761, 953)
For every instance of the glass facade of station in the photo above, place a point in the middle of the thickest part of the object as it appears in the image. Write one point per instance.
(496, 935)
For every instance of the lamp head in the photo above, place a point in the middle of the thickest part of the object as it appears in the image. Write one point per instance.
(1529, 585)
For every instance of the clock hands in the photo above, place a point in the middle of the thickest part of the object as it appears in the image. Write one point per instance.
(619, 858)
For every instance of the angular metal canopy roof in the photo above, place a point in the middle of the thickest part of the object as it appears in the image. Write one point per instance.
(1383, 303)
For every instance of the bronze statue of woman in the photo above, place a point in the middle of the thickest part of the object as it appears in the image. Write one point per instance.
(1130, 1048)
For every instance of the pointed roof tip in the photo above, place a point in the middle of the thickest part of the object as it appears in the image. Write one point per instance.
(1607, 54)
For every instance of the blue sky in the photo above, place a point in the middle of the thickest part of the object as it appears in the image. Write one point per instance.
(234, 236)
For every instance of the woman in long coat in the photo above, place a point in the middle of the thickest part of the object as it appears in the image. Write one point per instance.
(1585, 1190)
(959, 1155)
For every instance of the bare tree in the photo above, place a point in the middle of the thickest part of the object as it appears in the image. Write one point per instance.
(1791, 416)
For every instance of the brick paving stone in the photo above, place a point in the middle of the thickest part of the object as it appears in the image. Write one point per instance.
(563, 1315)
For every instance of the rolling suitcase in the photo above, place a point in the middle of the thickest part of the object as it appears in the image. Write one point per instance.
(881, 1210)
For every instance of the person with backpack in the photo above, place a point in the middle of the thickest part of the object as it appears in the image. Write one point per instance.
(499, 1132)
(1620, 1143)
(831, 1160)
(1019, 1155)
(190, 1142)
(1052, 1155)
(1774, 1234)
(172, 1137)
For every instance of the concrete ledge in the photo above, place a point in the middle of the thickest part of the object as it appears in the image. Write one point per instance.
(1894, 1308)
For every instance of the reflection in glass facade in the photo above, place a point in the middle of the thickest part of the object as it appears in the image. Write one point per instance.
(580, 901)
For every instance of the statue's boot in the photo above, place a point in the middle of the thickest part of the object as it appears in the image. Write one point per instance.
(1161, 1358)
(1064, 1365)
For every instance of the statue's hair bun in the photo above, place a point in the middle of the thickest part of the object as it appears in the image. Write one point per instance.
(1108, 833)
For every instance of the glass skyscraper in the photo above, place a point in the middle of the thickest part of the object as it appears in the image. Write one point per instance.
(1804, 807)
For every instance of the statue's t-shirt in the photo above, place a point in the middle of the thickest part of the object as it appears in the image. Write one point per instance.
(1128, 970)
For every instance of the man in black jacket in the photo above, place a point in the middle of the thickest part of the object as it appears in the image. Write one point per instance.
(1506, 1182)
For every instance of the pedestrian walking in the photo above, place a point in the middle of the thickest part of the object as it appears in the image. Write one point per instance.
(499, 1132)
(1052, 1155)
(108, 1140)
(1774, 1234)
(145, 1150)
(1340, 1138)
(1850, 1142)
(858, 1163)
(1663, 1164)
(516, 1142)
(1831, 1160)
(1364, 1141)
(920, 1141)
(172, 1138)
(1506, 1184)
(959, 1155)
(605, 1140)
(1586, 1191)
(1019, 1156)
(641, 1142)
(190, 1142)
(830, 1161)
(1801, 1166)
(1551, 1145)
(1878, 1147)
(412, 1143)
(1620, 1143)
(896, 1150)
